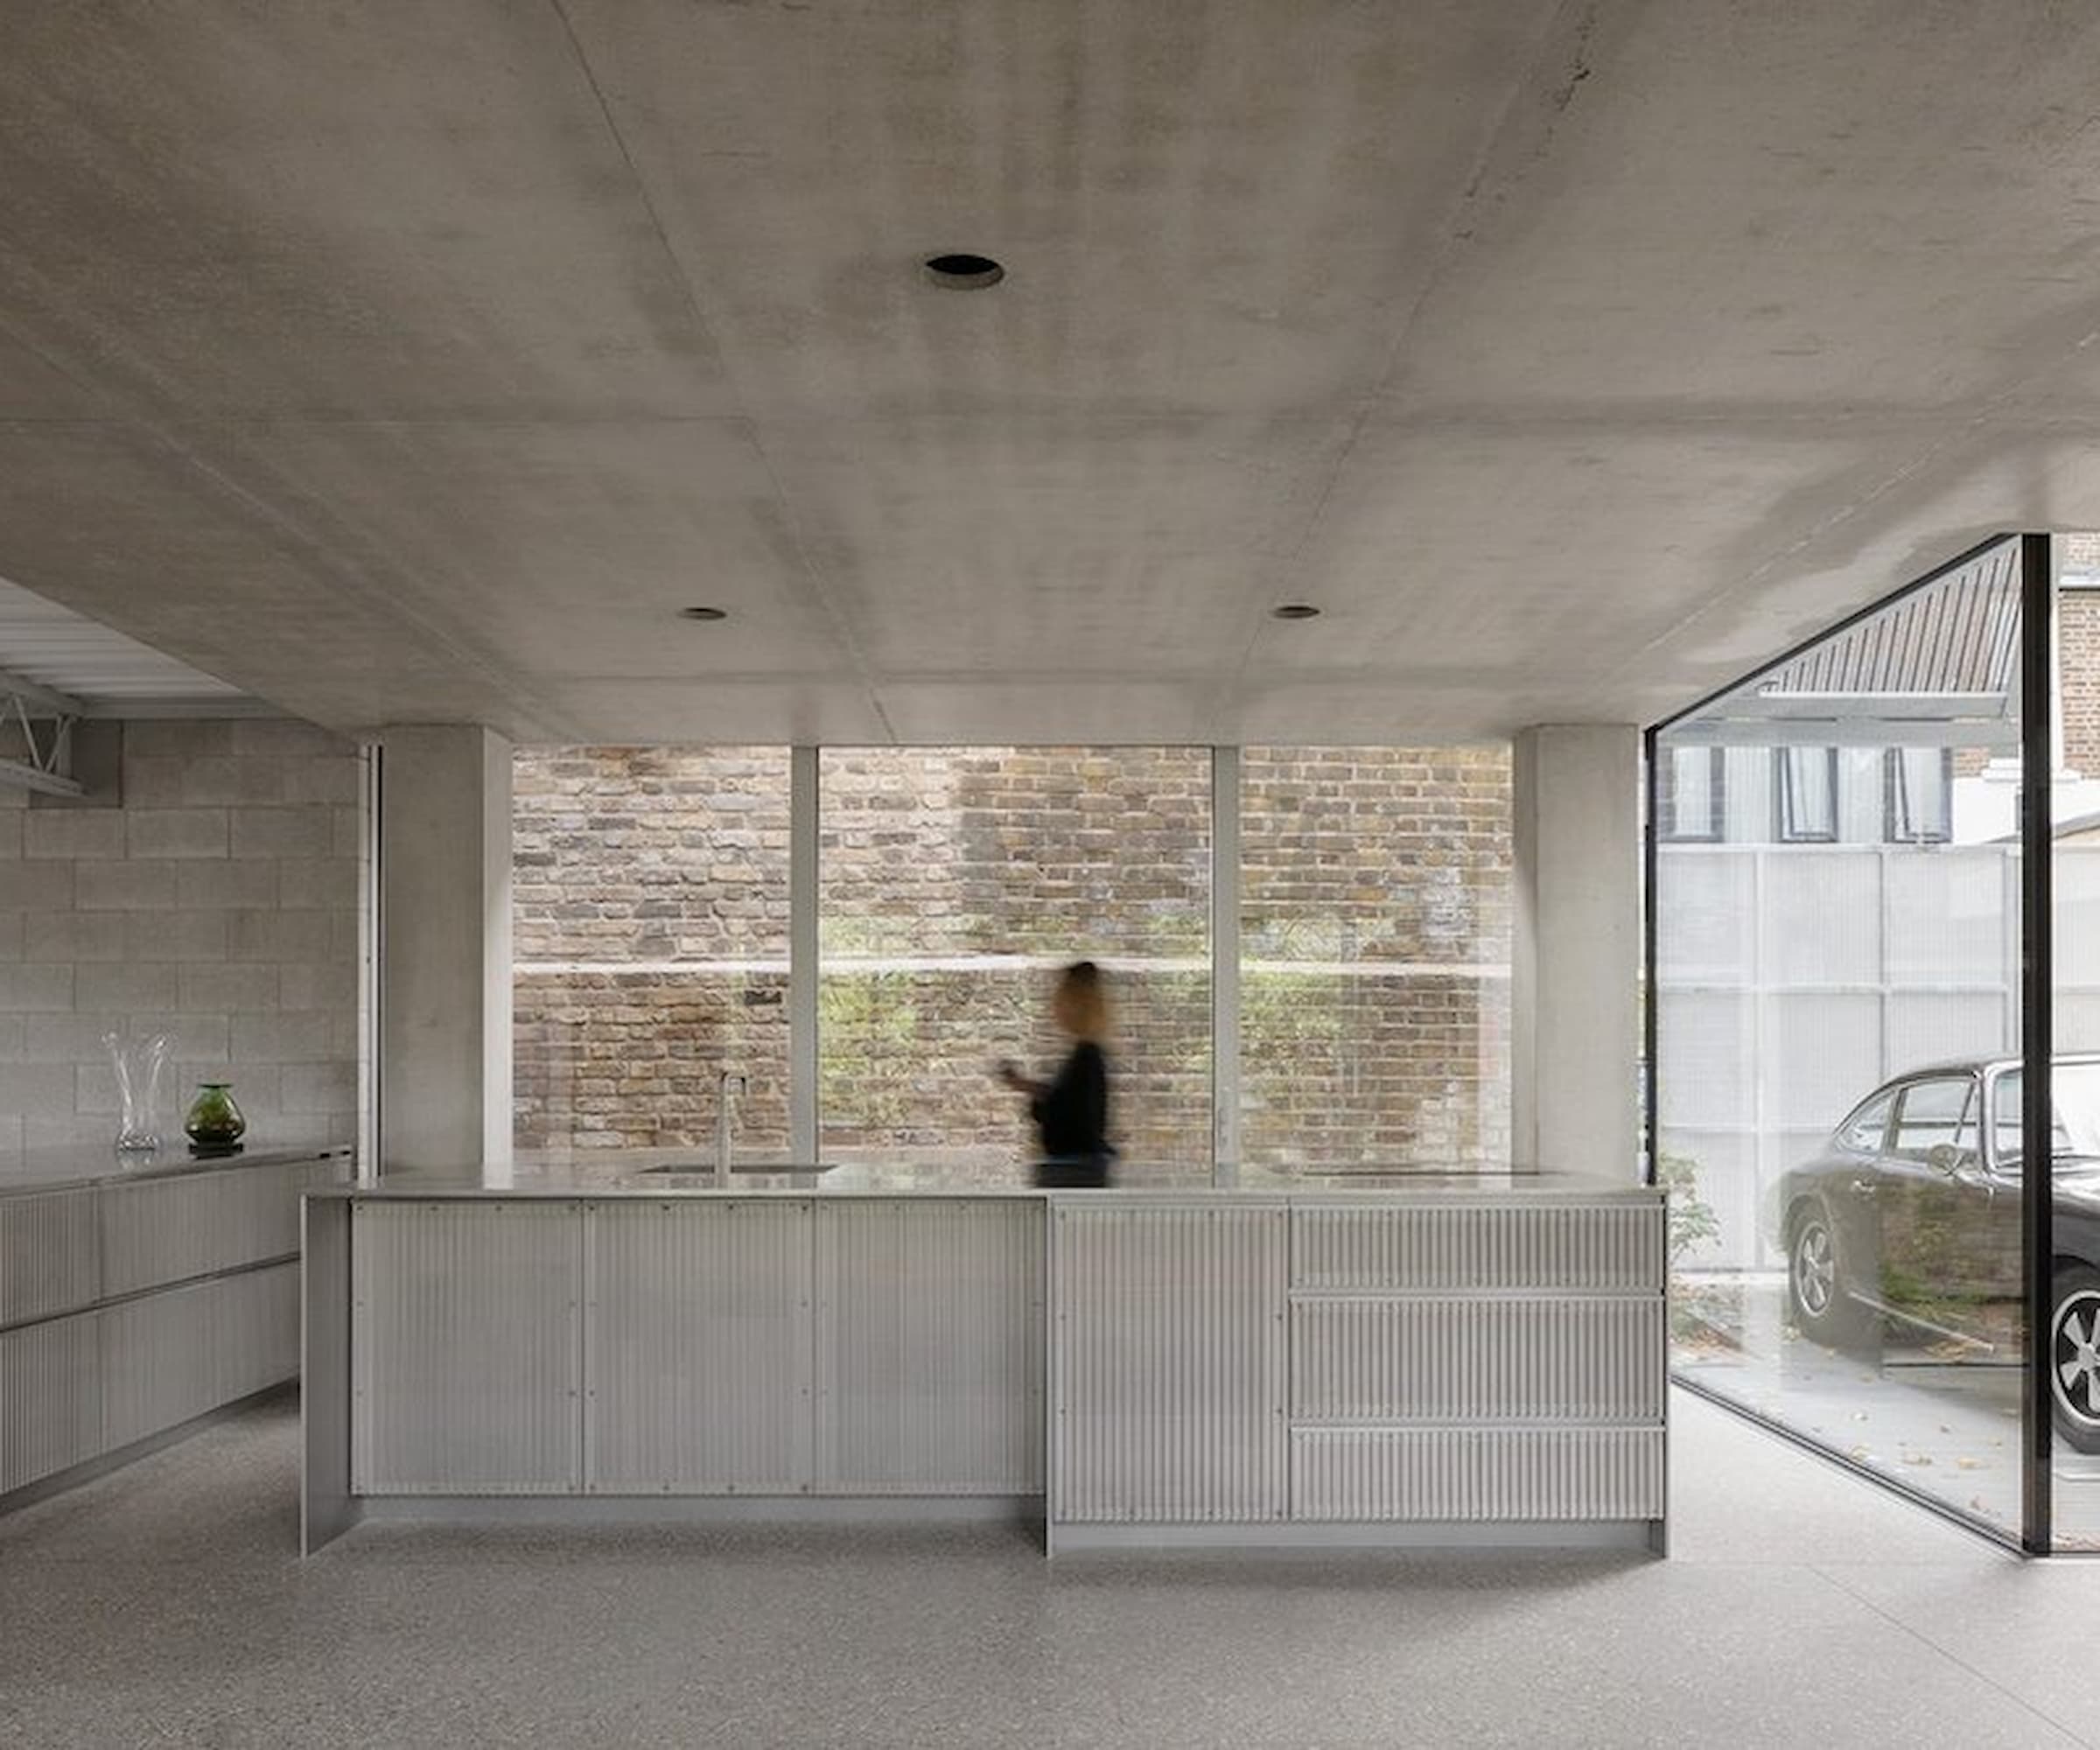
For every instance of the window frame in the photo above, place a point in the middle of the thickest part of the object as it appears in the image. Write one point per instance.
(1895, 791)
(1784, 803)
(1670, 825)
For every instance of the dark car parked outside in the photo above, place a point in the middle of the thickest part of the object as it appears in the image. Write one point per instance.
(1912, 1212)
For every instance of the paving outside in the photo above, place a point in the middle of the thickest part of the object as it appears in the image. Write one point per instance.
(164, 1604)
(1898, 1405)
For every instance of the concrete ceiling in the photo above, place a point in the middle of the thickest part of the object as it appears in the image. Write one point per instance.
(417, 362)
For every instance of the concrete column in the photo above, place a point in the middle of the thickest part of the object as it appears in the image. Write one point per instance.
(444, 1083)
(1575, 1007)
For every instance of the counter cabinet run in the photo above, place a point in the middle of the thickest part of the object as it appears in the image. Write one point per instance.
(1450, 1366)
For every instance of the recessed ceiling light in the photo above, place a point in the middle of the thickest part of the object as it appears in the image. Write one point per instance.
(964, 273)
(1294, 611)
(704, 613)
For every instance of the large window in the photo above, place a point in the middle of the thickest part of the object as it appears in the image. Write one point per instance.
(1374, 956)
(1833, 1022)
(954, 883)
(655, 952)
(650, 900)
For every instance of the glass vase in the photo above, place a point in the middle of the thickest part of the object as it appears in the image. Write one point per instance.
(138, 1063)
(214, 1122)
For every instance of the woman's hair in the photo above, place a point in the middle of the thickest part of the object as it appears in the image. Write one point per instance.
(1082, 1001)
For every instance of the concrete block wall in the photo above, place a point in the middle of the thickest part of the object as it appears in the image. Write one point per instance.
(215, 899)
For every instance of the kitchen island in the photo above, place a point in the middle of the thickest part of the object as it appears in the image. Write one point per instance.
(1365, 1361)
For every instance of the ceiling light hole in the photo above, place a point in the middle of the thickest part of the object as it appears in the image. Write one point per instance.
(1294, 611)
(704, 613)
(963, 273)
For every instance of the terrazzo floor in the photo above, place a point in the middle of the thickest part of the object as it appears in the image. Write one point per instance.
(164, 1604)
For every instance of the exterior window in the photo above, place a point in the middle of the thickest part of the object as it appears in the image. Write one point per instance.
(649, 912)
(1919, 792)
(954, 883)
(1693, 795)
(1808, 795)
(1375, 950)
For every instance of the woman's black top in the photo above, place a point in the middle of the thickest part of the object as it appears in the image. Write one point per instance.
(1073, 1111)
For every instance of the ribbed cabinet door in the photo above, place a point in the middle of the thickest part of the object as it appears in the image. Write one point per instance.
(1168, 1364)
(698, 1348)
(466, 1347)
(929, 1346)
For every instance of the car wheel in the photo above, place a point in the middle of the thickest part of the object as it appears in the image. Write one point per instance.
(2075, 1357)
(1816, 1294)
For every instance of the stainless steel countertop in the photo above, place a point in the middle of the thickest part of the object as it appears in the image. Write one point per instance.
(625, 1175)
(76, 1168)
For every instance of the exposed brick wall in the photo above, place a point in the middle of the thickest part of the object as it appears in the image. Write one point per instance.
(639, 859)
(1394, 857)
(2078, 654)
(213, 898)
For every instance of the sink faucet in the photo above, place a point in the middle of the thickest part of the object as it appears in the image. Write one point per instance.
(731, 1090)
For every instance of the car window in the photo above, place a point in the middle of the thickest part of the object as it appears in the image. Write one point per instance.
(2006, 1114)
(1935, 1113)
(1866, 1128)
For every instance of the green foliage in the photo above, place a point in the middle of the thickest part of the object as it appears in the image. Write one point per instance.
(1692, 1218)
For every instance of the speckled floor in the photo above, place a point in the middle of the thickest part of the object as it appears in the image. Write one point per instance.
(164, 1604)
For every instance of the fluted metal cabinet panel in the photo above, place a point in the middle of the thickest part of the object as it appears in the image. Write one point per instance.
(163, 1230)
(158, 1367)
(49, 1262)
(51, 1399)
(1601, 1247)
(466, 1347)
(1477, 1473)
(929, 1346)
(698, 1348)
(255, 1331)
(1558, 1359)
(1168, 1364)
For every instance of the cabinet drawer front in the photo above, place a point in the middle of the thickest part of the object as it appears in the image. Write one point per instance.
(166, 1230)
(51, 1399)
(48, 1260)
(1591, 1359)
(1476, 1473)
(1426, 1248)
